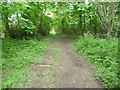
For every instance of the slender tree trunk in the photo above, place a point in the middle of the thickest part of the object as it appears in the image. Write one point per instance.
(111, 20)
(7, 26)
(80, 22)
(107, 16)
(84, 21)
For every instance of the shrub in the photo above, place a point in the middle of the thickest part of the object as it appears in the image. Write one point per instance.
(104, 54)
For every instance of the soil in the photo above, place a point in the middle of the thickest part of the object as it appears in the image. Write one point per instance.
(63, 68)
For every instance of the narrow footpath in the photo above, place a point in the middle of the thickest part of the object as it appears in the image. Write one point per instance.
(62, 67)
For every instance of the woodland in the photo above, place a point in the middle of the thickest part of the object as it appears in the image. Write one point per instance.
(26, 28)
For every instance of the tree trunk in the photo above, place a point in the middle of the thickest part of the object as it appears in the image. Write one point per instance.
(7, 32)
(107, 16)
(80, 22)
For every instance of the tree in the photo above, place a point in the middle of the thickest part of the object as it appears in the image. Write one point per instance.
(106, 13)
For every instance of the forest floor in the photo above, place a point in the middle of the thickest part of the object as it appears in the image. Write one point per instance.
(62, 68)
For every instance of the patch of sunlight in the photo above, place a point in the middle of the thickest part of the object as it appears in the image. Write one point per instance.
(86, 2)
(52, 32)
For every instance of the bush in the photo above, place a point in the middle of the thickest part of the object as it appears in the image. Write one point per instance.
(104, 54)
(26, 28)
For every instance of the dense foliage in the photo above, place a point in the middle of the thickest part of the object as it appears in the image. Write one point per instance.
(34, 19)
(21, 20)
(78, 18)
(16, 56)
(104, 54)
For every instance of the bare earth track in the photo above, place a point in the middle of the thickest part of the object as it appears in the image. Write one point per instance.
(62, 68)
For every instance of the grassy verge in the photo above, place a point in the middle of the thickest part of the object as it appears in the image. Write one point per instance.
(16, 55)
(103, 54)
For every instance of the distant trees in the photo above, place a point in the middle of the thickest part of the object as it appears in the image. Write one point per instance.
(96, 18)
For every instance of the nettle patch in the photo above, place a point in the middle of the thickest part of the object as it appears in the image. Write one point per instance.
(104, 54)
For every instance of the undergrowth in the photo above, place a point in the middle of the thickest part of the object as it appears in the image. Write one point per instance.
(16, 55)
(103, 53)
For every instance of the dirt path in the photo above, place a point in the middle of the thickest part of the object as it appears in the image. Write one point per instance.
(63, 68)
